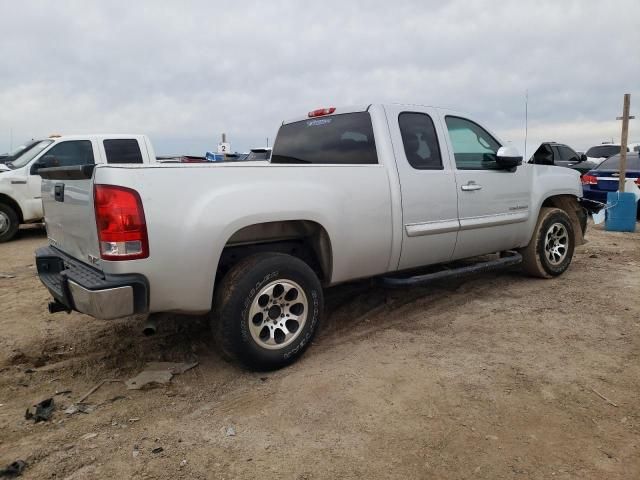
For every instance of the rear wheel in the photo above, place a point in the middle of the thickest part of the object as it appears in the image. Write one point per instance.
(551, 248)
(9, 222)
(267, 310)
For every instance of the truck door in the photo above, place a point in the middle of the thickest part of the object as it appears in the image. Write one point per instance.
(427, 182)
(492, 203)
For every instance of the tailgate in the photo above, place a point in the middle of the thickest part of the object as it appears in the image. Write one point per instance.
(67, 197)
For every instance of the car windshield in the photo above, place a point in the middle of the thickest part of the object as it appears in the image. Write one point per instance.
(30, 154)
(16, 151)
(613, 163)
(603, 151)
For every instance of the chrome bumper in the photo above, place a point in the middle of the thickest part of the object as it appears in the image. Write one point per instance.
(105, 304)
(77, 286)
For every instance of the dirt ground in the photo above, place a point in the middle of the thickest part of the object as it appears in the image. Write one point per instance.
(494, 377)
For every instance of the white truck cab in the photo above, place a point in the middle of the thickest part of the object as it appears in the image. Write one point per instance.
(20, 184)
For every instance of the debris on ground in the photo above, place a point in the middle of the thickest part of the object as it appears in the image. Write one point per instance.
(40, 412)
(183, 463)
(93, 390)
(89, 436)
(157, 373)
(157, 450)
(7, 275)
(14, 469)
(79, 408)
(136, 451)
(603, 397)
(231, 432)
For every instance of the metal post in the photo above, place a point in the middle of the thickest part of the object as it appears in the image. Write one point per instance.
(624, 140)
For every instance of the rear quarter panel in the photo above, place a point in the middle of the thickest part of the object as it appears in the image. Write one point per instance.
(192, 210)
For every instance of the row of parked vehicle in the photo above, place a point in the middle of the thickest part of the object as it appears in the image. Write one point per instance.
(599, 166)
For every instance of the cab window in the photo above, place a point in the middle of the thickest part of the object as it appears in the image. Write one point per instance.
(69, 153)
(420, 141)
(473, 147)
(122, 150)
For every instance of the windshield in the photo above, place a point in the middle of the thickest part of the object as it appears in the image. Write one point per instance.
(603, 151)
(29, 155)
(613, 163)
(16, 151)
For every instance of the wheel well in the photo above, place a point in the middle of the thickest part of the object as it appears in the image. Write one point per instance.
(7, 200)
(576, 213)
(304, 239)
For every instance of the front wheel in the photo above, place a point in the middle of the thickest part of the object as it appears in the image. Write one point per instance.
(9, 223)
(551, 248)
(267, 310)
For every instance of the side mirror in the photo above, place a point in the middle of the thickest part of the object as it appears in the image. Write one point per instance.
(44, 162)
(508, 158)
(583, 158)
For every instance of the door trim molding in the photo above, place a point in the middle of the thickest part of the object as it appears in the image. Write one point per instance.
(432, 228)
(493, 220)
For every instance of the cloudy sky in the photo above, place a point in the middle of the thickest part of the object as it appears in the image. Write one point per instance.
(185, 71)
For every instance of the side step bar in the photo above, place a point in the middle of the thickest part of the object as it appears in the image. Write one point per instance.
(512, 258)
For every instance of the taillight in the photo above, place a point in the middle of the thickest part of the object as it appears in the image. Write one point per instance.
(122, 230)
(589, 180)
(637, 181)
(322, 111)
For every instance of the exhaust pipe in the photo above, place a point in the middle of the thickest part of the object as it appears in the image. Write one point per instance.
(150, 326)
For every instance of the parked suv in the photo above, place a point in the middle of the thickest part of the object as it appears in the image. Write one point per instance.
(561, 155)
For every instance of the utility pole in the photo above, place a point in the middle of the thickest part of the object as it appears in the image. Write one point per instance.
(624, 139)
(526, 122)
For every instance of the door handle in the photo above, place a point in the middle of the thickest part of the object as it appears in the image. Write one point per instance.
(471, 186)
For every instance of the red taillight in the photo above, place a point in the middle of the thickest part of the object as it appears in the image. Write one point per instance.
(122, 230)
(322, 111)
(589, 180)
(637, 181)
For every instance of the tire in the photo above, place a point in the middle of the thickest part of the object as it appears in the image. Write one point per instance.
(551, 248)
(9, 222)
(266, 311)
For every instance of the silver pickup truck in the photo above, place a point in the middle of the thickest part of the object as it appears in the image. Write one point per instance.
(369, 191)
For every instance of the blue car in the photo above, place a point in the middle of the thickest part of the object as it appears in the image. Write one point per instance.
(604, 178)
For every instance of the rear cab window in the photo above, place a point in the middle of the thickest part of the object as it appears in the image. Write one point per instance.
(122, 150)
(344, 139)
(420, 141)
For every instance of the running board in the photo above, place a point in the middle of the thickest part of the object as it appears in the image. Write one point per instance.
(512, 258)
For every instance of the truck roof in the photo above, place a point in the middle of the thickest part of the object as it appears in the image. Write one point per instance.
(364, 108)
(96, 136)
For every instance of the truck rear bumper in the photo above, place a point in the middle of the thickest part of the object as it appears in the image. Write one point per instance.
(80, 287)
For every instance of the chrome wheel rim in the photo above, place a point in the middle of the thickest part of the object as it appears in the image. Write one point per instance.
(278, 314)
(4, 223)
(556, 243)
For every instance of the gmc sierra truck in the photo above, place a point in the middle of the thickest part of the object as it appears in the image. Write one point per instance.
(370, 191)
(20, 189)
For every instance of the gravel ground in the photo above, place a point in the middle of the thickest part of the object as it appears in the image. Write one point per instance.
(499, 376)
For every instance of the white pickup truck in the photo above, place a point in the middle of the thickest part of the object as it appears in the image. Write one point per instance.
(20, 197)
(371, 191)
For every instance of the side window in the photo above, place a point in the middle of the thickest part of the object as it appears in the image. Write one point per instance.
(473, 147)
(558, 155)
(568, 154)
(122, 150)
(420, 141)
(73, 152)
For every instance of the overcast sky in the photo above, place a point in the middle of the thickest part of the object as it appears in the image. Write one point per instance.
(185, 71)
